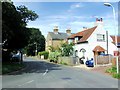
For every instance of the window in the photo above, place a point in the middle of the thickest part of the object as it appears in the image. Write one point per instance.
(100, 37)
(76, 39)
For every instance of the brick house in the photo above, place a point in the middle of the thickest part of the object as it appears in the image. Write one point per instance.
(55, 38)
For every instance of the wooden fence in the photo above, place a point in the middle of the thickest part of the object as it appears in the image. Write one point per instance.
(99, 60)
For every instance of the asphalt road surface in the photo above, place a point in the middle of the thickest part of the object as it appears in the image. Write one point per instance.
(41, 74)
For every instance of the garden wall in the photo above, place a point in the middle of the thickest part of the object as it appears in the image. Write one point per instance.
(68, 60)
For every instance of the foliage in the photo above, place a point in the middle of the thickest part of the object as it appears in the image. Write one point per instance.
(51, 48)
(111, 70)
(15, 34)
(115, 75)
(45, 53)
(27, 15)
(67, 49)
(63, 63)
(10, 67)
(36, 41)
(54, 55)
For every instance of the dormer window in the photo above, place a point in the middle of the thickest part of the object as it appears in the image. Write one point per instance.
(76, 39)
(100, 37)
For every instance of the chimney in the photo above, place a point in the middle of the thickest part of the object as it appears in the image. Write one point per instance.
(55, 29)
(68, 31)
(101, 19)
(84, 28)
(99, 22)
(96, 19)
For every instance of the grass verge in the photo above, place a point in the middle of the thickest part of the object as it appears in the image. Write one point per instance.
(113, 71)
(8, 67)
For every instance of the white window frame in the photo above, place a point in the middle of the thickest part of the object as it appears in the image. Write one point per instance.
(101, 37)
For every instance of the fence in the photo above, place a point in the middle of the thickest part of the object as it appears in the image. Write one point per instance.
(100, 60)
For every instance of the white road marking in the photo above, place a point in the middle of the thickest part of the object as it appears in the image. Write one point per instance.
(45, 72)
(26, 83)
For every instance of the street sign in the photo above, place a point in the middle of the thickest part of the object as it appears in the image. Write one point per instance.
(116, 53)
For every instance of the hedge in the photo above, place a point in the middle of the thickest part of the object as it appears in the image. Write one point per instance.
(44, 53)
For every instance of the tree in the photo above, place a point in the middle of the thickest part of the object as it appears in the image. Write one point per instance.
(15, 34)
(36, 41)
(27, 15)
(67, 49)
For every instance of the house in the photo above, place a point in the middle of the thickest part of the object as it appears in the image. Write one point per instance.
(118, 42)
(91, 42)
(55, 38)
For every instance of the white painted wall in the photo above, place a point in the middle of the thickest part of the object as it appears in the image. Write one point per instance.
(92, 43)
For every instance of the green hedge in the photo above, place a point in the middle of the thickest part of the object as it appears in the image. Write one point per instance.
(45, 53)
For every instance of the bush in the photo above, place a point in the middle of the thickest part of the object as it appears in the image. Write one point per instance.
(54, 56)
(67, 49)
(63, 63)
(111, 70)
(45, 53)
(115, 75)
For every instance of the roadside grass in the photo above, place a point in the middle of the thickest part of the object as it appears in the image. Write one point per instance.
(8, 67)
(113, 71)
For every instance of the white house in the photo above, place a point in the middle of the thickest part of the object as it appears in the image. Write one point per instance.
(92, 41)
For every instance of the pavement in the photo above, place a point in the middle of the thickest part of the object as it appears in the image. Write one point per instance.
(99, 69)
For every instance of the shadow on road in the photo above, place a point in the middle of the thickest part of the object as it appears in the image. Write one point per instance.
(36, 67)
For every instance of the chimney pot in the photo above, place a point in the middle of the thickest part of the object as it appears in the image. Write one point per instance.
(96, 19)
(68, 31)
(55, 29)
(101, 19)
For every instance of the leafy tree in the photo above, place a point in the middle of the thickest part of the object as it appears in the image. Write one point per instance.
(67, 49)
(27, 15)
(36, 41)
(15, 34)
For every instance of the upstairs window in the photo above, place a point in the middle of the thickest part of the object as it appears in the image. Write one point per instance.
(100, 37)
(76, 39)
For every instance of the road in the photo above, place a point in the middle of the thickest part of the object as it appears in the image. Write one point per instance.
(41, 74)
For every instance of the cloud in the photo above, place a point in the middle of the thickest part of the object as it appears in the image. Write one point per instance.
(75, 6)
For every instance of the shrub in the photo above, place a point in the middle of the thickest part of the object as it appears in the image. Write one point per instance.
(54, 55)
(67, 49)
(63, 63)
(111, 70)
(115, 75)
(45, 53)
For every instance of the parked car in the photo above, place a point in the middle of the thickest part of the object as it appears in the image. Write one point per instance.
(16, 57)
(90, 63)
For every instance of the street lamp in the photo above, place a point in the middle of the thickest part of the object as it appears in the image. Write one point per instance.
(110, 5)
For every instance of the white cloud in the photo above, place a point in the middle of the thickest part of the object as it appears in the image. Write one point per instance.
(75, 6)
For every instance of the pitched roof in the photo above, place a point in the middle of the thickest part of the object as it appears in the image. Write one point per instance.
(84, 34)
(59, 36)
(113, 38)
(98, 49)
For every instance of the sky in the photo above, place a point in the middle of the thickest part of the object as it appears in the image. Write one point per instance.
(71, 15)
